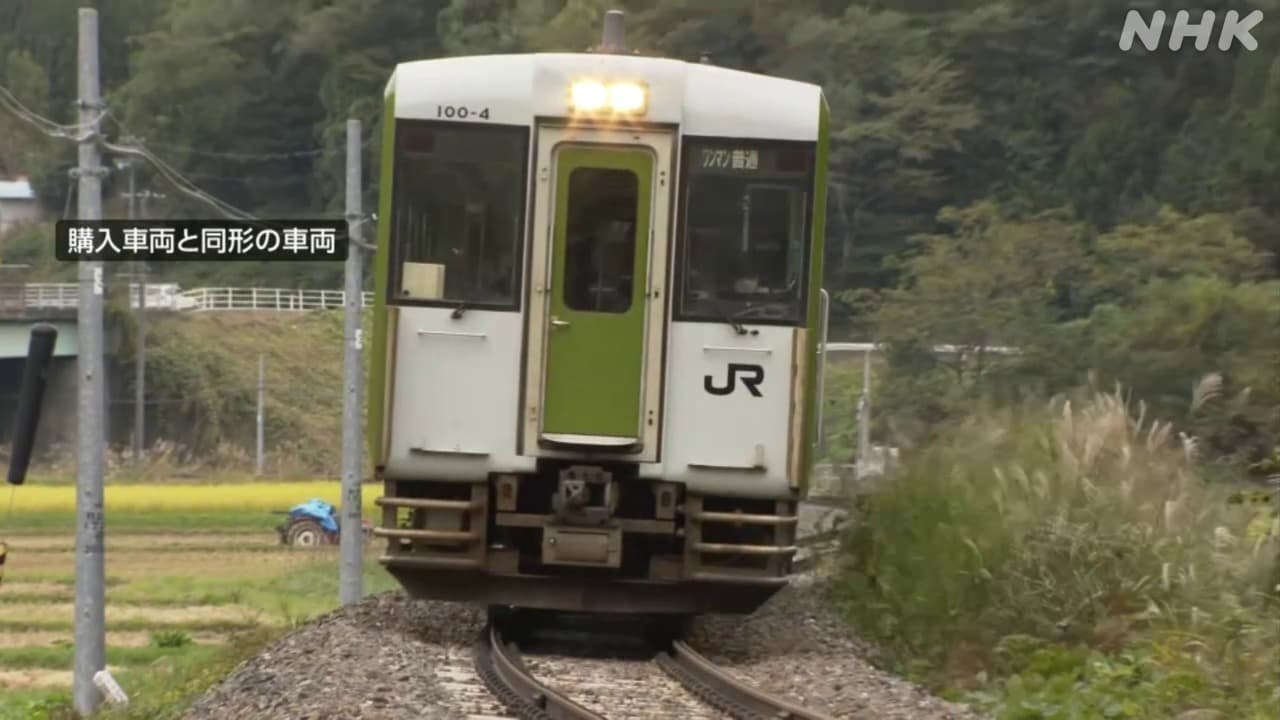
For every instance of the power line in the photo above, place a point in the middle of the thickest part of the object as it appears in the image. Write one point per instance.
(180, 182)
(176, 178)
(265, 179)
(248, 157)
(52, 129)
(44, 124)
(285, 155)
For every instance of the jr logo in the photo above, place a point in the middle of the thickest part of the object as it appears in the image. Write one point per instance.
(752, 376)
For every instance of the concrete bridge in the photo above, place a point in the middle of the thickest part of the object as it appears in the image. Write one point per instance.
(24, 304)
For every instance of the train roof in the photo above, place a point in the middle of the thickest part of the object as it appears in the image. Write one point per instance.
(702, 99)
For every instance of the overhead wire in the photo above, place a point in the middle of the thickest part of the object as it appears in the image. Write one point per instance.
(285, 155)
(248, 157)
(49, 127)
(181, 183)
(53, 129)
(223, 206)
(89, 130)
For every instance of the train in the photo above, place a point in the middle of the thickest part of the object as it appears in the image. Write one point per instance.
(598, 329)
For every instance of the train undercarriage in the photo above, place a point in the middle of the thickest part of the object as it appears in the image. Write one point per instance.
(589, 538)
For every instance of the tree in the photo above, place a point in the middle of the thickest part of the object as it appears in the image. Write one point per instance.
(23, 148)
(992, 280)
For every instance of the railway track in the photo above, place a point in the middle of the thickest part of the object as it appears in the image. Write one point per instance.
(678, 683)
(497, 681)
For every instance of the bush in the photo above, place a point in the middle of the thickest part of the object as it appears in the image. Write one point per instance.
(1078, 529)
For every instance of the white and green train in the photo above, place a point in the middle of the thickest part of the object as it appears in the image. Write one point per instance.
(598, 329)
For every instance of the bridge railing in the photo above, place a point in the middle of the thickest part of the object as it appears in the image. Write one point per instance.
(241, 298)
(51, 295)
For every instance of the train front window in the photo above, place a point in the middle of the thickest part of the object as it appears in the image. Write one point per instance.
(745, 242)
(457, 212)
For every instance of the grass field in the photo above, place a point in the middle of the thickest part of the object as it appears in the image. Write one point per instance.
(196, 578)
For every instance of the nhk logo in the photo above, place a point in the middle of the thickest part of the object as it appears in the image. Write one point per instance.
(1234, 29)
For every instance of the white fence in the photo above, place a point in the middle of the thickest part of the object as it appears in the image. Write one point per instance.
(171, 297)
(240, 298)
(866, 347)
(168, 296)
(51, 295)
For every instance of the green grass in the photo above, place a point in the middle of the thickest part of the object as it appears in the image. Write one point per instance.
(144, 522)
(260, 543)
(158, 690)
(63, 656)
(1070, 563)
(36, 705)
(28, 624)
(61, 578)
(183, 591)
(304, 593)
(288, 590)
(165, 691)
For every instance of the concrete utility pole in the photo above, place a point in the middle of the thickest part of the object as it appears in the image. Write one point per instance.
(139, 316)
(351, 539)
(140, 319)
(262, 400)
(864, 419)
(90, 631)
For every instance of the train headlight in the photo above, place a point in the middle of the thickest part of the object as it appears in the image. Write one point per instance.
(589, 95)
(624, 98)
(627, 98)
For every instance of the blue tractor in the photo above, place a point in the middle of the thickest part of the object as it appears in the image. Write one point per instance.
(313, 523)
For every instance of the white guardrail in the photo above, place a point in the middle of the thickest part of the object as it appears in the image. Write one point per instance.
(171, 297)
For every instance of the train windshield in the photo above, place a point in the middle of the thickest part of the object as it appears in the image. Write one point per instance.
(747, 209)
(457, 214)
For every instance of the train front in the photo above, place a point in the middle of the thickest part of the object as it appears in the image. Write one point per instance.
(596, 339)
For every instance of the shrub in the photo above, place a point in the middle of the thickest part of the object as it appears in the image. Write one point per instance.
(1083, 525)
(170, 639)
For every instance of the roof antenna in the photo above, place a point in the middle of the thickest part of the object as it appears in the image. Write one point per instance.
(614, 39)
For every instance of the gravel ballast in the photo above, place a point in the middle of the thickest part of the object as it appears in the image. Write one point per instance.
(375, 660)
(388, 658)
(796, 647)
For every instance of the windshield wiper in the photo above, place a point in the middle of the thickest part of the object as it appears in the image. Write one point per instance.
(730, 319)
(459, 310)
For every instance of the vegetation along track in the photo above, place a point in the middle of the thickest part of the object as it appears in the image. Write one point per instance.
(624, 688)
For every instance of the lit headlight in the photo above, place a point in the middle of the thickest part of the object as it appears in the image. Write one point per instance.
(589, 96)
(624, 97)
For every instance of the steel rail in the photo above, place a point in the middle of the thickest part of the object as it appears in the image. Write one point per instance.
(725, 692)
(500, 666)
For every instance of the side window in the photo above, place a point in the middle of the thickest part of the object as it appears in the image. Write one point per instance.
(457, 214)
(744, 243)
(600, 240)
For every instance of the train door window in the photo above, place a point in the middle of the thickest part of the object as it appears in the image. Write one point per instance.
(457, 215)
(600, 240)
(744, 247)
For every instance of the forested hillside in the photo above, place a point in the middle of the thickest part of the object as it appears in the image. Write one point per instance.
(1028, 104)
(1002, 172)
(1002, 175)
